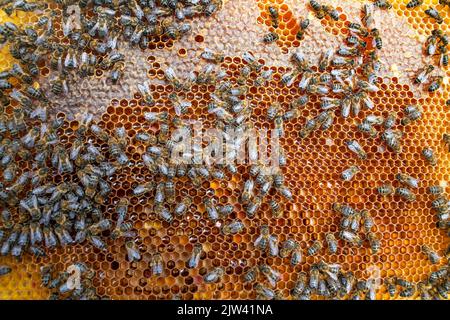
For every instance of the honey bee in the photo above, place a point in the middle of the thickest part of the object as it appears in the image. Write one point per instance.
(383, 4)
(326, 119)
(287, 247)
(414, 3)
(318, 8)
(412, 113)
(296, 257)
(289, 78)
(332, 12)
(263, 292)
(274, 16)
(123, 230)
(36, 235)
(270, 37)
(392, 139)
(374, 242)
(209, 55)
(251, 275)
(435, 276)
(253, 206)
(247, 192)
(132, 251)
(300, 284)
(439, 202)
(367, 219)
(214, 275)
(431, 255)
(314, 248)
(156, 116)
(156, 264)
(366, 127)
(250, 59)
(446, 139)
(405, 194)
(9, 173)
(436, 190)
(350, 237)
(233, 227)
(182, 206)
(353, 40)
(143, 188)
(433, 13)
(423, 74)
(144, 91)
(435, 84)
(343, 209)
(443, 59)
(272, 275)
(211, 210)
(428, 154)
(431, 43)
(314, 276)
(423, 290)
(159, 194)
(407, 292)
(303, 25)
(356, 148)
(358, 29)
(277, 211)
(171, 77)
(195, 256)
(390, 120)
(347, 280)
(263, 78)
(375, 33)
(285, 192)
(345, 105)
(407, 180)
(349, 173)
(273, 111)
(332, 243)
(163, 213)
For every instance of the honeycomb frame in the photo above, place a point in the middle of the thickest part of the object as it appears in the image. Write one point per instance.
(316, 185)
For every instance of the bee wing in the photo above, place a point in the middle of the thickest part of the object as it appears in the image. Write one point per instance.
(67, 27)
(170, 73)
(248, 57)
(273, 245)
(142, 90)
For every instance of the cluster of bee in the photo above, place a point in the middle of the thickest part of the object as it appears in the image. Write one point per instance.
(352, 221)
(404, 191)
(274, 16)
(92, 42)
(59, 214)
(330, 282)
(337, 80)
(431, 12)
(436, 44)
(441, 204)
(38, 214)
(435, 287)
(321, 11)
(268, 243)
(74, 284)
